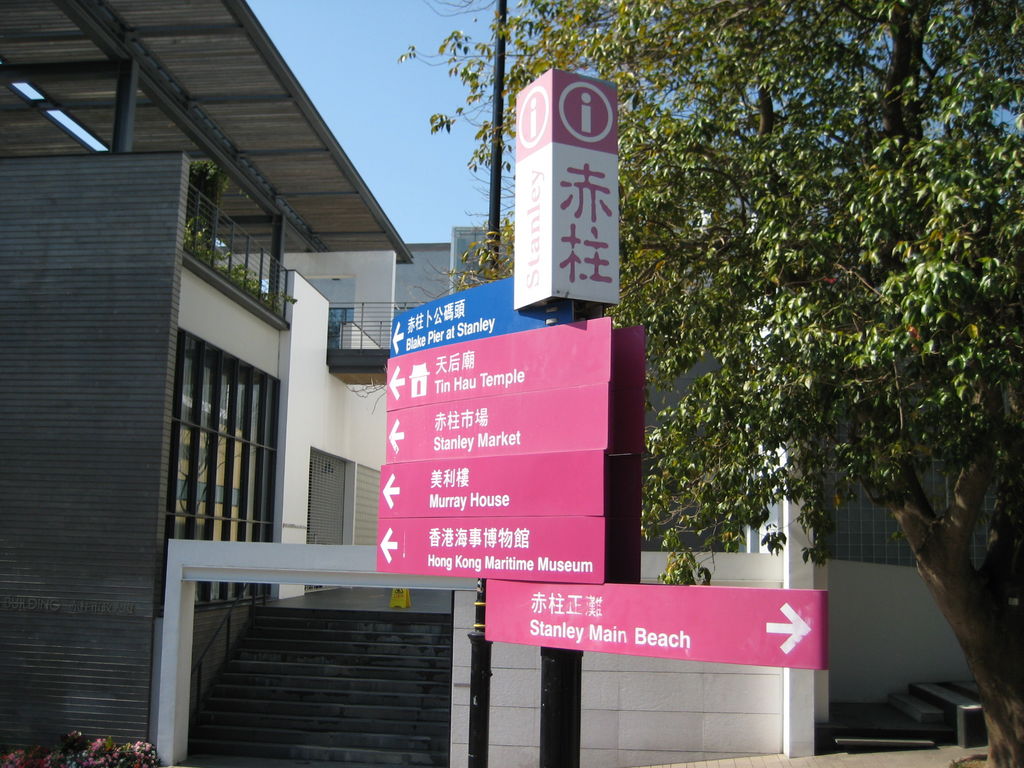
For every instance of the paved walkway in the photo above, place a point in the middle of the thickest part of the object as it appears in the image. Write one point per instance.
(912, 758)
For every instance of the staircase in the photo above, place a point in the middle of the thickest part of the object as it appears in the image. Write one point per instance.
(926, 715)
(360, 689)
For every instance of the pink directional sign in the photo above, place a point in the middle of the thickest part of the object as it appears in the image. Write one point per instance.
(570, 549)
(547, 358)
(529, 485)
(568, 419)
(732, 625)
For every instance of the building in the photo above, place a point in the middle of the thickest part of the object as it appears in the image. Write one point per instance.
(166, 373)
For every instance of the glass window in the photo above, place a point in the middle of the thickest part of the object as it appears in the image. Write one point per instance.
(223, 452)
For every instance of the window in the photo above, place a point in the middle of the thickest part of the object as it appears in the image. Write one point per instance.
(223, 452)
(337, 320)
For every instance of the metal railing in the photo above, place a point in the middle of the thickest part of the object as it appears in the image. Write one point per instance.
(363, 325)
(199, 683)
(216, 240)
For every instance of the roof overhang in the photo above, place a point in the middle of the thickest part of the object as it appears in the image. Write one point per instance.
(211, 84)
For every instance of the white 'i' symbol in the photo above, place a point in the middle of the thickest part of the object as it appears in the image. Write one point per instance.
(533, 116)
(585, 113)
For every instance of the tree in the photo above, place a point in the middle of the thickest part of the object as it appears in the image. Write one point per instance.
(825, 200)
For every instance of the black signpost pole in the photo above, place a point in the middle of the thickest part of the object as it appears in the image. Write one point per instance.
(560, 707)
(497, 137)
(479, 683)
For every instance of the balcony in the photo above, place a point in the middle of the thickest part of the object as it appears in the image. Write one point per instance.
(359, 340)
(238, 258)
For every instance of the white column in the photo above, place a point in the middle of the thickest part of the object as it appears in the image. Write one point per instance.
(804, 692)
(175, 662)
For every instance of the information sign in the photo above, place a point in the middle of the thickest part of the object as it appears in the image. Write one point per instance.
(569, 419)
(475, 313)
(547, 484)
(570, 549)
(732, 625)
(567, 199)
(569, 355)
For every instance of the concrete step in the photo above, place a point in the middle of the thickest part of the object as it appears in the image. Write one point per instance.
(321, 709)
(365, 621)
(962, 712)
(345, 635)
(968, 688)
(877, 743)
(352, 758)
(353, 688)
(875, 722)
(331, 739)
(274, 681)
(337, 653)
(384, 696)
(259, 664)
(916, 709)
(348, 720)
(263, 686)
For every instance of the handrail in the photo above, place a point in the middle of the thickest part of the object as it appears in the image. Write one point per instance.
(226, 620)
(363, 325)
(215, 239)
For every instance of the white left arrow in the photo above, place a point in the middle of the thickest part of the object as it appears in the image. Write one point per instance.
(390, 491)
(396, 382)
(394, 436)
(387, 545)
(797, 628)
(397, 337)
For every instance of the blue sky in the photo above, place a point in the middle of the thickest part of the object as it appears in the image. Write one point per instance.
(345, 54)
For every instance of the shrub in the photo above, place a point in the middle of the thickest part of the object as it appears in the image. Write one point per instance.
(75, 751)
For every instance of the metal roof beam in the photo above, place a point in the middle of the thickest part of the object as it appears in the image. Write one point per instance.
(177, 30)
(258, 98)
(241, 11)
(101, 25)
(271, 152)
(65, 70)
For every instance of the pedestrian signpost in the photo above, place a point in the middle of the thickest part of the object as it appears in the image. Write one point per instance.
(514, 441)
(500, 454)
(731, 625)
(524, 485)
(570, 549)
(477, 313)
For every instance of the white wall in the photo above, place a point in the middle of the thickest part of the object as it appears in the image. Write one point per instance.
(373, 272)
(636, 710)
(318, 410)
(885, 632)
(210, 315)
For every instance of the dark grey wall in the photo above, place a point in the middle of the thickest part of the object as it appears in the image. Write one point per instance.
(89, 283)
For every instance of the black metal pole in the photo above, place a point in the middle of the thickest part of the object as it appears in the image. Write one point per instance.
(497, 135)
(560, 705)
(124, 106)
(479, 683)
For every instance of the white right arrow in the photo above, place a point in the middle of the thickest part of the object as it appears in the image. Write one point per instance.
(387, 545)
(395, 383)
(797, 629)
(394, 436)
(391, 490)
(397, 337)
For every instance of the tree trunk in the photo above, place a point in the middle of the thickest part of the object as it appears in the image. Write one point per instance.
(991, 632)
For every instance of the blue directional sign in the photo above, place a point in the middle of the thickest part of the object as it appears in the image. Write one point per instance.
(476, 313)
